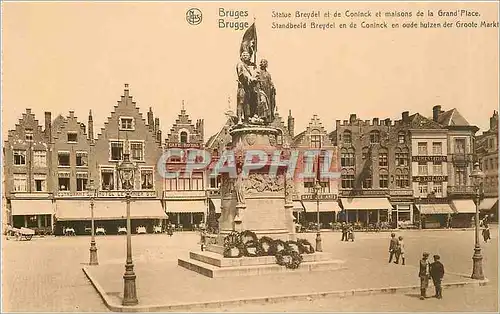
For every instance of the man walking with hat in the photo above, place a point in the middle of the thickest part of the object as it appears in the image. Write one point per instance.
(393, 247)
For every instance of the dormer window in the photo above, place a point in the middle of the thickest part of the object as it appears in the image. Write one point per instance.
(126, 123)
(184, 137)
(72, 137)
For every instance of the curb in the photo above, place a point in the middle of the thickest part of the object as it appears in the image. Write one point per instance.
(184, 307)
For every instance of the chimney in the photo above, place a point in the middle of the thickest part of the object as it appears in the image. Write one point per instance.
(158, 136)
(151, 119)
(388, 121)
(200, 127)
(91, 126)
(352, 118)
(375, 121)
(291, 123)
(157, 125)
(125, 92)
(48, 125)
(405, 116)
(436, 110)
(494, 120)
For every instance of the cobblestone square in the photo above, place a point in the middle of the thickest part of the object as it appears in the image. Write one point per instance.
(45, 274)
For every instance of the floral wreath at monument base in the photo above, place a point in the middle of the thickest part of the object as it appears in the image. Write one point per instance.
(246, 243)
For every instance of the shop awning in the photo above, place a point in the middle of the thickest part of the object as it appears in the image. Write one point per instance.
(365, 203)
(298, 207)
(108, 210)
(488, 203)
(32, 207)
(188, 206)
(430, 209)
(217, 205)
(324, 207)
(463, 206)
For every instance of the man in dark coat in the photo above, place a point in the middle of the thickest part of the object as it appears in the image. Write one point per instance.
(437, 273)
(344, 232)
(393, 247)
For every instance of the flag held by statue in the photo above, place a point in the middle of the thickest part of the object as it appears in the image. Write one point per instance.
(249, 41)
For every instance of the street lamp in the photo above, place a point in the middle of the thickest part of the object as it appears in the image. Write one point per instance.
(126, 170)
(93, 249)
(317, 189)
(477, 177)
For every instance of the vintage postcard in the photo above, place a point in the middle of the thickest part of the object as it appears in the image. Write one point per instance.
(250, 156)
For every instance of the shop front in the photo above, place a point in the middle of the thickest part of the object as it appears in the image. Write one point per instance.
(327, 213)
(366, 210)
(35, 214)
(186, 214)
(434, 215)
(108, 214)
(489, 206)
(464, 213)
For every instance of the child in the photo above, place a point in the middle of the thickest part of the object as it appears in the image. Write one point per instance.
(400, 251)
(437, 273)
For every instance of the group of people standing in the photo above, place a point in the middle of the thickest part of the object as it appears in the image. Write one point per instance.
(427, 270)
(347, 232)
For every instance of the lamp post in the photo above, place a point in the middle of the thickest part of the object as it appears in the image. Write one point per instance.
(126, 169)
(317, 189)
(420, 212)
(477, 177)
(93, 249)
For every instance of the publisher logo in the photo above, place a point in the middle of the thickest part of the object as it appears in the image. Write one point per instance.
(194, 16)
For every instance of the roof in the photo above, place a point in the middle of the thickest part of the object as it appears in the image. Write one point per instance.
(452, 118)
(417, 121)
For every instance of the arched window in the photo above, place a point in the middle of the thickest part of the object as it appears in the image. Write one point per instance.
(347, 179)
(184, 137)
(374, 137)
(347, 137)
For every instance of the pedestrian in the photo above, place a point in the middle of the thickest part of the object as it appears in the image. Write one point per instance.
(203, 237)
(424, 274)
(486, 233)
(400, 252)
(437, 273)
(350, 232)
(344, 232)
(393, 245)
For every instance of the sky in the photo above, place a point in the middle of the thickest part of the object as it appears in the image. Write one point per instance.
(78, 56)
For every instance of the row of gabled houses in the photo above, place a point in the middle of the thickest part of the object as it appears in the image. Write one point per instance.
(412, 169)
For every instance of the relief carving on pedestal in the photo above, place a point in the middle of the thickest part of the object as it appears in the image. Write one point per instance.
(257, 182)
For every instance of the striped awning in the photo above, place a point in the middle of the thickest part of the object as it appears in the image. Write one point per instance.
(366, 203)
(108, 210)
(430, 209)
(324, 207)
(32, 207)
(298, 206)
(186, 206)
(463, 206)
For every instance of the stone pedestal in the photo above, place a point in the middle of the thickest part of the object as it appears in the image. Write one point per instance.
(263, 211)
(259, 202)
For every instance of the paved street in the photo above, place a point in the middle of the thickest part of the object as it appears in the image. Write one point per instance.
(45, 274)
